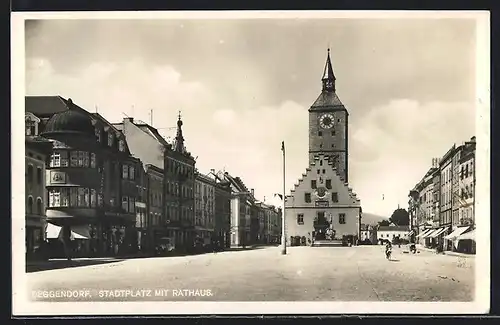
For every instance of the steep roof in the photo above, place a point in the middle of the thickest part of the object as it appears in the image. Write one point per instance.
(45, 106)
(393, 228)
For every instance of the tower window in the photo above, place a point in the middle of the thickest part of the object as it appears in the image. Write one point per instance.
(321, 162)
(333, 145)
(338, 120)
(319, 171)
(320, 133)
(333, 132)
(324, 171)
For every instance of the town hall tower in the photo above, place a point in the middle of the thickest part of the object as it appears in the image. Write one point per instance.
(328, 120)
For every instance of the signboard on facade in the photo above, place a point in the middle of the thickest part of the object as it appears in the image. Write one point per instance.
(57, 177)
(321, 203)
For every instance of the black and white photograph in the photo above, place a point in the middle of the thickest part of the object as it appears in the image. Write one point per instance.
(250, 162)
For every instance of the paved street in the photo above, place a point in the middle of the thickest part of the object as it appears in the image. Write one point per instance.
(333, 273)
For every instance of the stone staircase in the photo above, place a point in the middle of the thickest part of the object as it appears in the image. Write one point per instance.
(327, 243)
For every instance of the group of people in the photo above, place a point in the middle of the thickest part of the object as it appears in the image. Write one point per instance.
(388, 249)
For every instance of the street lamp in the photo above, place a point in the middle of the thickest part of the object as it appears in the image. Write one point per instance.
(283, 224)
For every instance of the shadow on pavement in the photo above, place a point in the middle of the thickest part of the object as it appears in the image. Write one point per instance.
(394, 260)
(63, 264)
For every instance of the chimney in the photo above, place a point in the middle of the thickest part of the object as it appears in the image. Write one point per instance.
(129, 119)
(252, 191)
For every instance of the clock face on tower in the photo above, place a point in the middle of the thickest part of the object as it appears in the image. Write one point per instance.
(326, 121)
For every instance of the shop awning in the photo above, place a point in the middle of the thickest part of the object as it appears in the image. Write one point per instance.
(53, 231)
(471, 235)
(425, 233)
(80, 232)
(437, 232)
(457, 232)
(430, 233)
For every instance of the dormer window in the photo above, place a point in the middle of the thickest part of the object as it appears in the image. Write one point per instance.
(31, 125)
(98, 134)
(110, 139)
(121, 145)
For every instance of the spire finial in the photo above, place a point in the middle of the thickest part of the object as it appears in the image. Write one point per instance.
(328, 76)
(179, 115)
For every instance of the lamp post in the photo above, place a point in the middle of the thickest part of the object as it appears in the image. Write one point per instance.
(283, 224)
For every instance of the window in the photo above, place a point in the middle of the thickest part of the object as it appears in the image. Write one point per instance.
(131, 207)
(87, 197)
(30, 174)
(100, 200)
(319, 171)
(98, 134)
(30, 205)
(125, 172)
(85, 159)
(110, 139)
(54, 198)
(328, 184)
(321, 162)
(121, 145)
(300, 219)
(55, 160)
(320, 133)
(92, 160)
(39, 206)
(64, 158)
(342, 218)
(324, 171)
(125, 203)
(333, 133)
(335, 197)
(313, 184)
(73, 197)
(307, 197)
(333, 145)
(131, 173)
(65, 197)
(81, 197)
(74, 158)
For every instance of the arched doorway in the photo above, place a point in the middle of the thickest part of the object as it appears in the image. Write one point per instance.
(321, 226)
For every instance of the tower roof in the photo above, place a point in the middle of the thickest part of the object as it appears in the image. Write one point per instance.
(328, 72)
(328, 97)
(179, 139)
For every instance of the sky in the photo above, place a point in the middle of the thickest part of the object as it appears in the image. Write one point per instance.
(243, 86)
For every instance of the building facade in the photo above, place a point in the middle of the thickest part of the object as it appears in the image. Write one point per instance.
(179, 168)
(322, 206)
(467, 185)
(368, 234)
(204, 208)
(155, 225)
(36, 153)
(84, 180)
(446, 202)
(455, 186)
(222, 229)
(392, 233)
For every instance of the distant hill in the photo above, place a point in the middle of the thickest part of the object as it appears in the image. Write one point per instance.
(372, 219)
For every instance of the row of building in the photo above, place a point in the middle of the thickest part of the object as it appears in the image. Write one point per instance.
(441, 205)
(119, 188)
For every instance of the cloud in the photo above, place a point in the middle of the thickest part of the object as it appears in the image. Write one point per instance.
(392, 147)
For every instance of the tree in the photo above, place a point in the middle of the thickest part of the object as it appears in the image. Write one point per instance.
(384, 223)
(400, 217)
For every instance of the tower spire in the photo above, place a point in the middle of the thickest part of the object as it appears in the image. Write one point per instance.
(179, 139)
(328, 76)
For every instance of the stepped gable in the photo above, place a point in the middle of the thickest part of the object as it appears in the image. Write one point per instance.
(352, 194)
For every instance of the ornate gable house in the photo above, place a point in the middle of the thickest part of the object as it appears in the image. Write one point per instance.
(322, 206)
